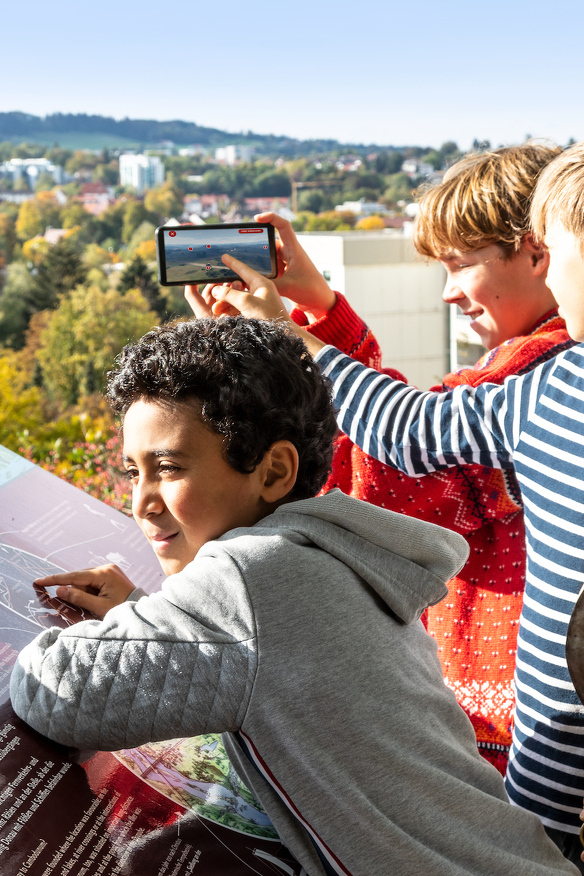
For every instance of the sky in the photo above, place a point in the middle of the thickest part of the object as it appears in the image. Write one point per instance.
(383, 72)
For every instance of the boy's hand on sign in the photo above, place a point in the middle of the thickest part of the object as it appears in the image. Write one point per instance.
(298, 279)
(95, 590)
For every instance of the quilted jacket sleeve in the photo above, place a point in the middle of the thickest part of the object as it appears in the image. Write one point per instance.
(177, 663)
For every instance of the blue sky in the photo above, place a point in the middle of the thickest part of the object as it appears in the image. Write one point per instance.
(381, 71)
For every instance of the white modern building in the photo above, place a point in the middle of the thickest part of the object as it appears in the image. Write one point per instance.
(141, 171)
(233, 154)
(30, 170)
(399, 295)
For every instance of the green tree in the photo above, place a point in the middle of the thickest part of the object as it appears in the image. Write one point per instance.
(164, 202)
(48, 208)
(144, 232)
(89, 325)
(95, 256)
(74, 214)
(109, 226)
(134, 214)
(313, 200)
(272, 184)
(107, 173)
(14, 313)
(59, 272)
(20, 404)
(302, 219)
(81, 160)
(6, 150)
(137, 275)
(56, 155)
(399, 188)
(44, 183)
(330, 221)
(7, 236)
(30, 221)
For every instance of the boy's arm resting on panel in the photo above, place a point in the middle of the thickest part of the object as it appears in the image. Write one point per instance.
(419, 432)
(176, 663)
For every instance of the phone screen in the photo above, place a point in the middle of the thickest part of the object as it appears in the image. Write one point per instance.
(193, 254)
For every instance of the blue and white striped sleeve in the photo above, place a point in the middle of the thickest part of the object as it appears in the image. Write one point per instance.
(419, 432)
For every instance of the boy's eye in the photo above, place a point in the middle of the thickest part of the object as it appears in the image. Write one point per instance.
(129, 474)
(167, 467)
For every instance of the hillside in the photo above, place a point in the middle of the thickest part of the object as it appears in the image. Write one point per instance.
(85, 131)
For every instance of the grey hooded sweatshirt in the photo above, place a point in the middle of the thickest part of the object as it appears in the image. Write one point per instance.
(299, 639)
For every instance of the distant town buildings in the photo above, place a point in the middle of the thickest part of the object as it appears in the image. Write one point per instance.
(415, 167)
(96, 197)
(348, 163)
(362, 208)
(261, 205)
(191, 151)
(28, 170)
(141, 171)
(206, 205)
(233, 154)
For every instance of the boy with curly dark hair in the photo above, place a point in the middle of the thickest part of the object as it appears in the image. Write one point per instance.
(289, 623)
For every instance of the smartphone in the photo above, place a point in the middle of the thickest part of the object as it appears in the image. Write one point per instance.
(189, 254)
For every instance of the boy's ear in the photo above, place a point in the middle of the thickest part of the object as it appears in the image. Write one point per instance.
(538, 254)
(279, 470)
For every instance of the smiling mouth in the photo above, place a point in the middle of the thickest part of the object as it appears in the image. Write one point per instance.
(474, 314)
(159, 542)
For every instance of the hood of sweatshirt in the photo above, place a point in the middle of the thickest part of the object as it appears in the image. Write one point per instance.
(406, 561)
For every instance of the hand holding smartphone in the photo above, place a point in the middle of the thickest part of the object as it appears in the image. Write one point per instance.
(191, 254)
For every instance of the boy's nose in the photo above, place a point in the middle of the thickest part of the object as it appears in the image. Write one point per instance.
(145, 501)
(452, 293)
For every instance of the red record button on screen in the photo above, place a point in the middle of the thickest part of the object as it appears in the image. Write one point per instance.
(251, 230)
(172, 233)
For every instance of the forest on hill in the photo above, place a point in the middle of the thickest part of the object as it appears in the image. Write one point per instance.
(148, 132)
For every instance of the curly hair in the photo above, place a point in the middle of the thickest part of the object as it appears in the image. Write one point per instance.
(483, 199)
(253, 381)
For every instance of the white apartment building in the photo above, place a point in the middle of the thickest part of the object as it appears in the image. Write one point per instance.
(30, 169)
(399, 295)
(233, 154)
(141, 171)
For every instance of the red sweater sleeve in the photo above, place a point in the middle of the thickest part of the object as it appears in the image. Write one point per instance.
(343, 328)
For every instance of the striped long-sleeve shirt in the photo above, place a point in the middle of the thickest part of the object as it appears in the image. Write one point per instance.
(534, 423)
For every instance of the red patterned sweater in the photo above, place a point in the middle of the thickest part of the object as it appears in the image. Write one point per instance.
(476, 625)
